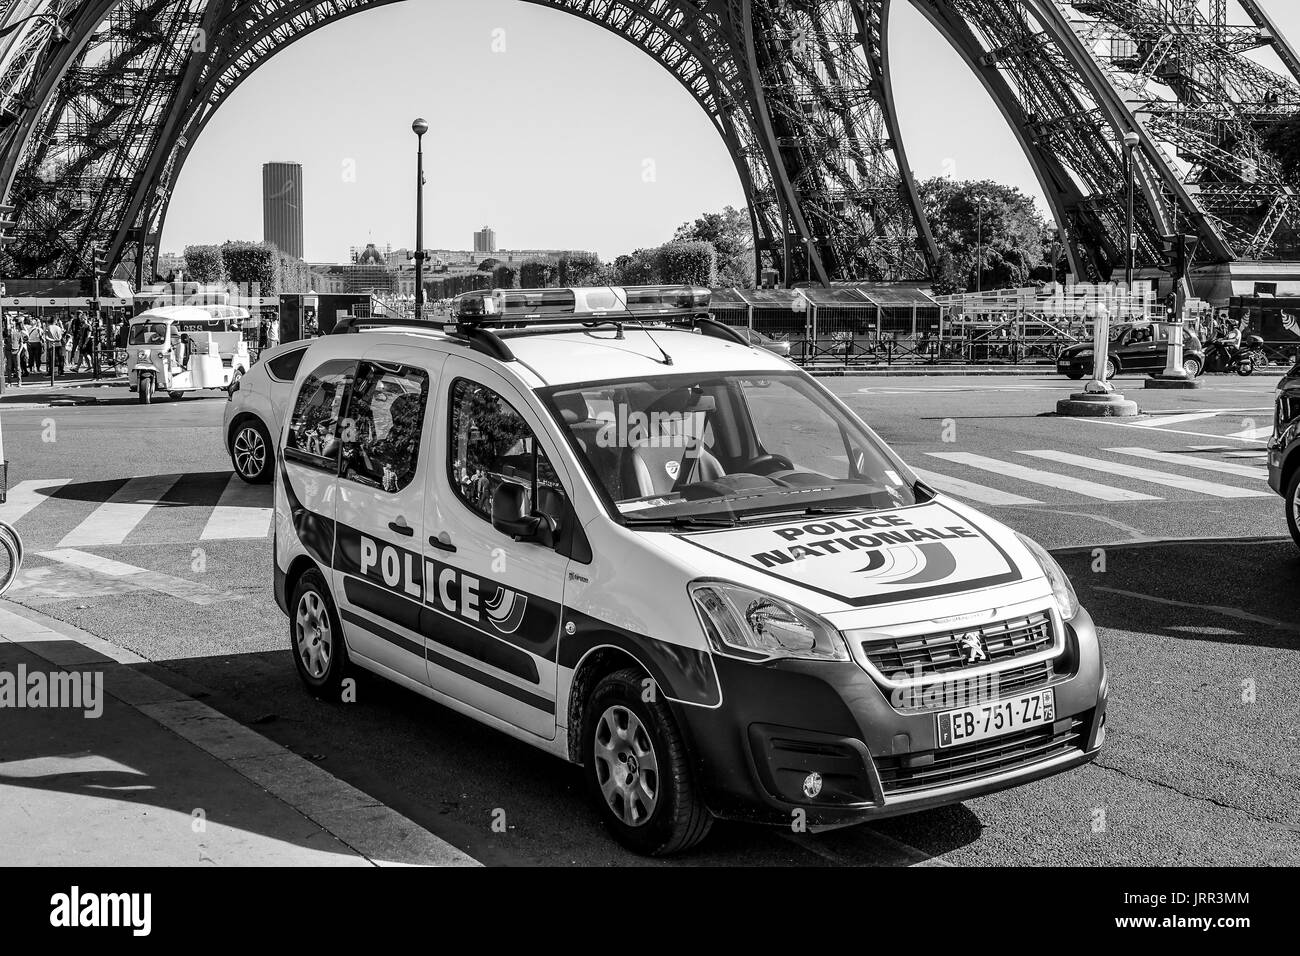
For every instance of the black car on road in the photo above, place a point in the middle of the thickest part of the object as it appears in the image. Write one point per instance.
(1284, 448)
(1134, 347)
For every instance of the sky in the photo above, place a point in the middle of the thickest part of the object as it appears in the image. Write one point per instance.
(557, 133)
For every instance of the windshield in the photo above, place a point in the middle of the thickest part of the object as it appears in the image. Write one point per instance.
(725, 447)
(149, 333)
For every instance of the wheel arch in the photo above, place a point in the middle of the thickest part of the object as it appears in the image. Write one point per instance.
(596, 663)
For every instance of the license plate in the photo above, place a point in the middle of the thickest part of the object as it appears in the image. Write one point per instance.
(1062, 364)
(996, 718)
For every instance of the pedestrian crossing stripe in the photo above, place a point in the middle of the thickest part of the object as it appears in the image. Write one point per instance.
(1194, 461)
(1163, 478)
(117, 517)
(970, 490)
(1083, 486)
(26, 495)
(242, 512)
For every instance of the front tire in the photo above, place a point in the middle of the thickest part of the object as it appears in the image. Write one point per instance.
(1074, 374)
(250, 452)
(1191, 367)
(145, 390)
(316, 637)
(638, 770)
(1293, 507)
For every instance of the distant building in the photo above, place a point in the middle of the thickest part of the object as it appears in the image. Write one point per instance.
(485, 240)
(282, 202)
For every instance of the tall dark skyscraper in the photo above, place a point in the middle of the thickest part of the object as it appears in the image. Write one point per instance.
(282, 206)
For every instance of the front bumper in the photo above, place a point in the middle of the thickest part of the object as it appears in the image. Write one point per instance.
(779, 722)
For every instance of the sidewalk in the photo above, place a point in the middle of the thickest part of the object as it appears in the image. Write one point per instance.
(161, 779)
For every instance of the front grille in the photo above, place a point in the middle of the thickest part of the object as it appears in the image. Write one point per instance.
(967, 763)
(944, 652)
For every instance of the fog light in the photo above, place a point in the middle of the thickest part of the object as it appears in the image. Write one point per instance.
(812, 785)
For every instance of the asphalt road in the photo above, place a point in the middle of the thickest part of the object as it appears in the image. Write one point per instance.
(1187, 575)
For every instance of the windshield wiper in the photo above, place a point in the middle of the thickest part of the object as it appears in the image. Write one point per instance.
(810, 512)
(682, 521)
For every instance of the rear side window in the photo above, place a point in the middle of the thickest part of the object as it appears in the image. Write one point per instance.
(385, 421)
(313, 434)
(285, 367)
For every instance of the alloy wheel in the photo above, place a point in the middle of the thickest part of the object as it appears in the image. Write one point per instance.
(250, 452)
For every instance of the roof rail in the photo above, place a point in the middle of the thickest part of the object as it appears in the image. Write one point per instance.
(354, 323)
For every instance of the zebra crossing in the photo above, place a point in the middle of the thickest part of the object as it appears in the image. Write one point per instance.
(57, 514)
(1067, 476)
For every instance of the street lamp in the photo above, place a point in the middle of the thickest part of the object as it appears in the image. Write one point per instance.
(979, 244)
(1131, 141)
(808, 241)
(420, 127)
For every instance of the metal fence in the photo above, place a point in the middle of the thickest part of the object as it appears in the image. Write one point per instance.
(822, 336)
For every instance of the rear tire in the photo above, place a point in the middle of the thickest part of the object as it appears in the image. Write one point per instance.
(320, 654)
(250, 452)
(1293, 507)
(1246, 366)
(638, 769)
(1109, 370)
(1074, 374)
(1191, 367)
(175, 396)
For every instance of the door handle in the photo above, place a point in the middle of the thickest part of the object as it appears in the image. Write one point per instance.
(403, 528)
(442, 545)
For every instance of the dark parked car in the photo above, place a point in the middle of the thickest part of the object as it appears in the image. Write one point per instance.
(1133, 348)
(779, 347)
(1284, 448)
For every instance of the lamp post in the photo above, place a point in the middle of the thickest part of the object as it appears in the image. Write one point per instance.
(808, 241)
(979, 245)
(1131, 140)
(420, 127)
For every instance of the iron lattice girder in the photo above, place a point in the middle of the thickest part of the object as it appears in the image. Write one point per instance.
(798, 89)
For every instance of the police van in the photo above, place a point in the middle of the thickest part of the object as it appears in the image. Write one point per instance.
(600, 521)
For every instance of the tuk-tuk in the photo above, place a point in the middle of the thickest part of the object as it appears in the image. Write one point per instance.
(184, 348)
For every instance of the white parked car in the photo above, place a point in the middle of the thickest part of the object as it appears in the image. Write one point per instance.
(256, 409)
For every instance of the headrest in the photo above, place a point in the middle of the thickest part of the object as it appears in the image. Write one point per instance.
(573, 407)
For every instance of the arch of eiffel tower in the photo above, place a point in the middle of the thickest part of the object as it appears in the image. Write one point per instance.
(101, 102)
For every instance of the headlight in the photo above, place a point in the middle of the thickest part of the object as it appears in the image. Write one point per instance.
(1066, 600)
(760, 627)
(1082, 352)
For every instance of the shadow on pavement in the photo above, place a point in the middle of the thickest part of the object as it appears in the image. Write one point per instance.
(1226, 592)
(121, 789)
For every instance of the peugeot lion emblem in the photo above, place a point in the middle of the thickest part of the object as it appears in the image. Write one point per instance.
(972, 647)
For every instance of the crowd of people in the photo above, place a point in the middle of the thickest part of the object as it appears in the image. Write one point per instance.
(37, 346)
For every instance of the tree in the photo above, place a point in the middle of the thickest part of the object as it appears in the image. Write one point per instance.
(732, 236)
(487, 265)
(538, 274)
(253, 264)
(503, 276)
(205, 264)
(578, 269)
(688, 263)
(1014, 242)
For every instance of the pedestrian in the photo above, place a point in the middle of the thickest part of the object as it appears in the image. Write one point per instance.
(14, 348)
(54, 346)
(272, 333)
(263, 334)
(35, 339)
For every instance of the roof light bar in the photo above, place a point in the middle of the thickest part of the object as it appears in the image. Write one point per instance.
(519, 307)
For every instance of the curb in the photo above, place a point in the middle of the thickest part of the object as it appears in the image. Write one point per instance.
(372, 830)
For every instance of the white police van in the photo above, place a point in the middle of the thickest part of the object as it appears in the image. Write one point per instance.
(601, 522)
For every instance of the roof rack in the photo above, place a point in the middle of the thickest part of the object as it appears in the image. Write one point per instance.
(480, 340)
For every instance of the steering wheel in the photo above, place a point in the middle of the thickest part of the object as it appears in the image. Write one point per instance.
(766, 464)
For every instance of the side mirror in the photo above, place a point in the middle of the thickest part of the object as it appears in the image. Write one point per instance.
(508, 516)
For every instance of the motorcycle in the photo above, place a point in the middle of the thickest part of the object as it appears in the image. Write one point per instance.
(1223, 356)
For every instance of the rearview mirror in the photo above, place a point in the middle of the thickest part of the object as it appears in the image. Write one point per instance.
(508, 516)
